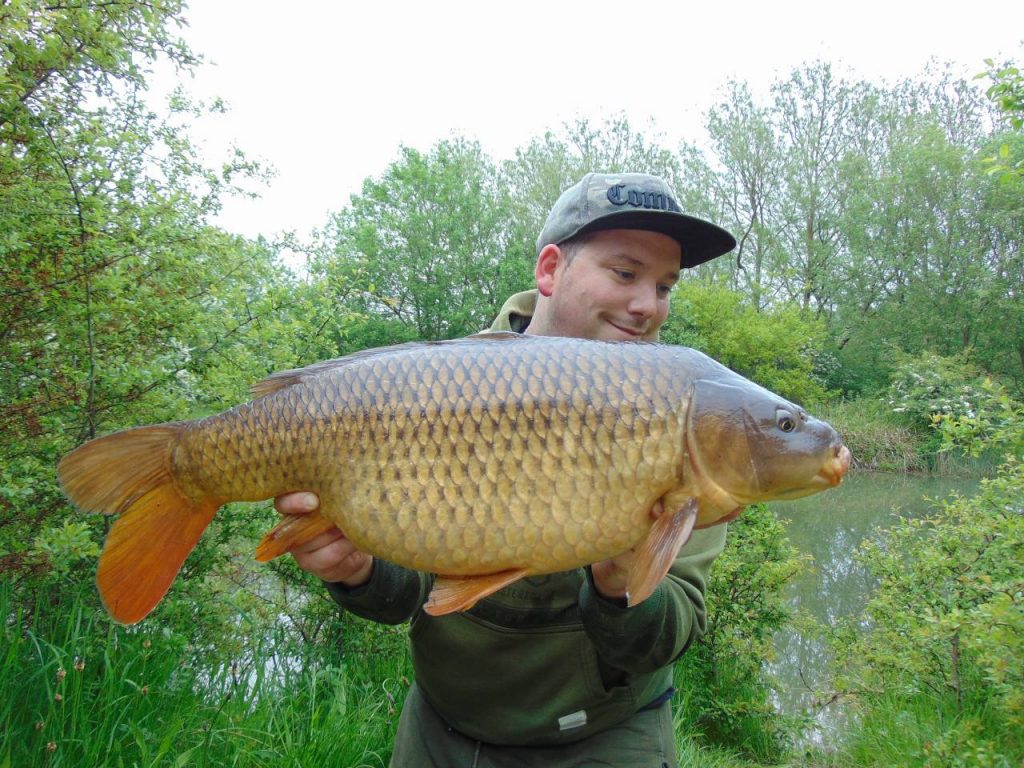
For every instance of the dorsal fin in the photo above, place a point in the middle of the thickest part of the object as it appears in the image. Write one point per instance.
(284, 379)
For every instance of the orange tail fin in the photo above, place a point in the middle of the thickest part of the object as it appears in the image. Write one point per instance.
(130, 473)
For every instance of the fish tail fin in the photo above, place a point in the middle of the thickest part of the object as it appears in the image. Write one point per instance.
(130, 473)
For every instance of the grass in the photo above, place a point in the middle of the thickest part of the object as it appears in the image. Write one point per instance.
(928, 730)
(79, 690)
(875, 439)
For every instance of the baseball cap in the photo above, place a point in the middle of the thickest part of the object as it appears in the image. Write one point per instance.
(632, 201)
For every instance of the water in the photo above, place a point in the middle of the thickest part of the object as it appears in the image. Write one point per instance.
(830, 527)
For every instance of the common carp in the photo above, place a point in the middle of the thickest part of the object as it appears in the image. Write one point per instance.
(482, 460)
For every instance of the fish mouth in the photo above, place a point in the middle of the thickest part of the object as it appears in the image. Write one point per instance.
(831, 474)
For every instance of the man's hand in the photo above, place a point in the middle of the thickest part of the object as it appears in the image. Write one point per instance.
(611, 576)
(329, 556)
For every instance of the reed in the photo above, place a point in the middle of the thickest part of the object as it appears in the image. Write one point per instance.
(76, 689)
(929, 730)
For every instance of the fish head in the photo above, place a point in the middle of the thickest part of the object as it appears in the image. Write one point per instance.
(746, 444)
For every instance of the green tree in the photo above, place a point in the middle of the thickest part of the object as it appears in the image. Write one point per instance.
(814, 109)
(1007, 93)
(419, 252)
(928, 257)
(778, 348)
(119, 304)
(745, 141)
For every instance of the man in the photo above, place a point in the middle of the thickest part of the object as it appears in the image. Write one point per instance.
(554, 670)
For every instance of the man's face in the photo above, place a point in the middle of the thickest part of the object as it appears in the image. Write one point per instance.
(616, 287)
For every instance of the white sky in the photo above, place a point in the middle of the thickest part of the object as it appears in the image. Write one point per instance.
(325, 92)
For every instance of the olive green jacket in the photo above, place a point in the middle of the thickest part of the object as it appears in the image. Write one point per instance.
(546, 660)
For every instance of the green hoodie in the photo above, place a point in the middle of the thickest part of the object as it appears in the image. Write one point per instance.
(546, 660)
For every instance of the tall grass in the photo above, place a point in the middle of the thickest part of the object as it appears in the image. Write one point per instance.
(929, 730)
(77, 690)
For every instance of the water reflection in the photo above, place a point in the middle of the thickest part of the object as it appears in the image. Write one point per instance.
(830, 527)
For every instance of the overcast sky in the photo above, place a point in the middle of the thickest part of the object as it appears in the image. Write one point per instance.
(326, 92)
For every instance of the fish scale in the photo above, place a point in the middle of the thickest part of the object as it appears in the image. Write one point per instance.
(475, 458)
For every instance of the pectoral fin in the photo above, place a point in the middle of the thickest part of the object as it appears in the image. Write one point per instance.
(460, 593)
(289, 533)
(717, 517)
(653, 558)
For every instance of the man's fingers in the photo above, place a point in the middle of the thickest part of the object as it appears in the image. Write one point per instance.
(320, 541)
(327, 555)
(334, 559)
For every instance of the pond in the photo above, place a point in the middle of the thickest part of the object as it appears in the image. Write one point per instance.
(830, 527)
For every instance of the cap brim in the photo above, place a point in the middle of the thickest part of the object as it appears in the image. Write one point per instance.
(700, 240)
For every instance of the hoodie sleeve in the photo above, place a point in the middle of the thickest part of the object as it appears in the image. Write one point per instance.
(392, 595)
(656, 632)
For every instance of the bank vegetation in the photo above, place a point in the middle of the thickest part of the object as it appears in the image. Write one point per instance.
(877, 280)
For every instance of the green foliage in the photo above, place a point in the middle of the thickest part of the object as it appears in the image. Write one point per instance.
(725, 691)
(946, 626)
(65, 546)
(997, 423)
(119, 304)
(1007, 93)
(92, 693)
(925, 388)
(917, 228)
(777, 348)
(418, 253)
(930, 384)
(938, 577)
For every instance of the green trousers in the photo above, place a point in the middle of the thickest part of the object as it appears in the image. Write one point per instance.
(424, 740)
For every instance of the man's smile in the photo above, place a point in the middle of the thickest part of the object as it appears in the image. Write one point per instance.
(629, 330)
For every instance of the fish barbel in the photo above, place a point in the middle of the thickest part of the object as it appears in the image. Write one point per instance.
(482, 460)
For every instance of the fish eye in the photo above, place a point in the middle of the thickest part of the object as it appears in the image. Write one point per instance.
(786, 421)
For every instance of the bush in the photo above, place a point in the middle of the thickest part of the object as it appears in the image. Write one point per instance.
(726, 693)
(875, 436)
(779, 349)
(946, 626)
(997, 423)
(925, 387)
